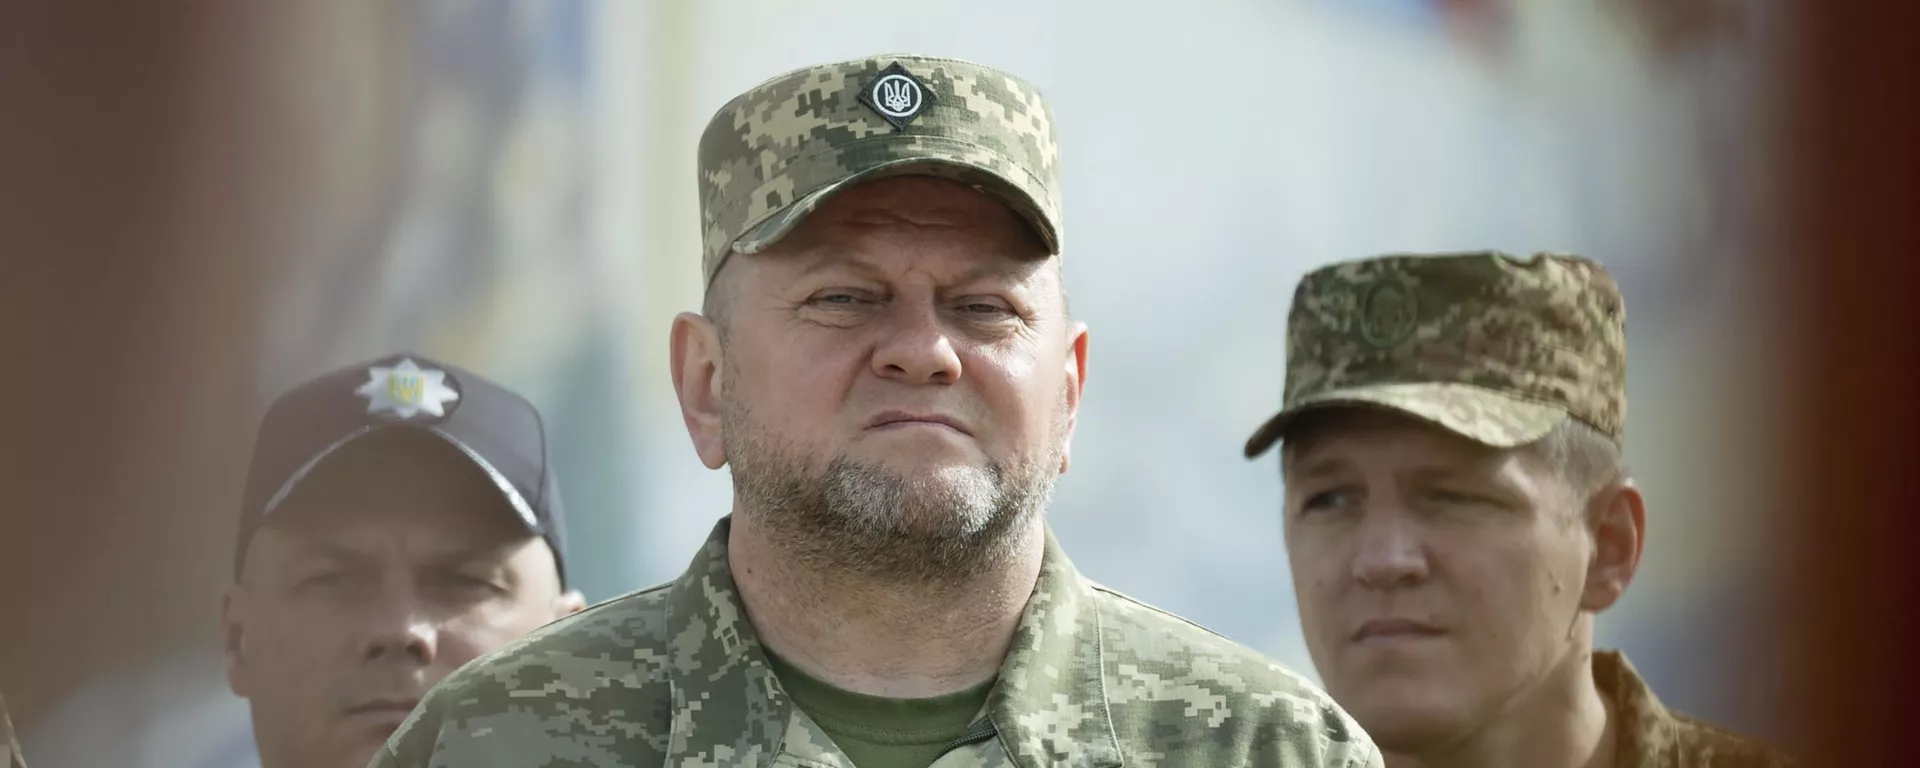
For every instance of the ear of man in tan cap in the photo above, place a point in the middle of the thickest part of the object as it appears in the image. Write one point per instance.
(1458, 512)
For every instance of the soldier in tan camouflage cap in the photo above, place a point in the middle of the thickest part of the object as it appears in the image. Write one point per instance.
(1457, 512)
(886, 364)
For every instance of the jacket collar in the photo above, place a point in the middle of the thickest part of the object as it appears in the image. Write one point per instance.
(1049, 707)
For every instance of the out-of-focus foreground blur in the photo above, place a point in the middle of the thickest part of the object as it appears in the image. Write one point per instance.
(206, 202)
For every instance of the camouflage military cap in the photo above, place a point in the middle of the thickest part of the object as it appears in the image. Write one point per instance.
(1495, 348)
(775, 153)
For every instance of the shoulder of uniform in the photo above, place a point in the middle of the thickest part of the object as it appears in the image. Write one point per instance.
(1144, 632)
(576, 673)
(1136, 613)
(1153, 654)
(1714, 745)
(614, 634)
(630, 621)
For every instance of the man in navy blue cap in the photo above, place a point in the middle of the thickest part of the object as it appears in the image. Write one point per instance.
(400, 519)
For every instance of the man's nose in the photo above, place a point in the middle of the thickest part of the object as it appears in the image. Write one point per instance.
(916, 348)
(1390, 554)
(398, 624)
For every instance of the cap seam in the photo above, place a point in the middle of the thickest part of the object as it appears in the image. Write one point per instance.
(300, 472)
(883, 137)
(745, 199)
(521, 507)
(1489, 390)
(1530, 400)
(540, 426)
(545, 491)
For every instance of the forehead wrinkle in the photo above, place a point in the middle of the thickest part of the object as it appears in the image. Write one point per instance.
(914, 217)
(1295, 464)
(916, 202)
(300, 549)
(276, 551)
(306, 546)
(449, 528)
(501, 550)
(895, 221)
(1481, 471)
(822, 255)
(1432, 454)
(814, 258)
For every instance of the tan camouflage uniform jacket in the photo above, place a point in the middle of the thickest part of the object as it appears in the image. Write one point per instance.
(1651, 736)
(673, 676)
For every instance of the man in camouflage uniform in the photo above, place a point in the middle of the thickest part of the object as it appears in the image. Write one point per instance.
(886, 363)
(1457, 512)
(8, 743)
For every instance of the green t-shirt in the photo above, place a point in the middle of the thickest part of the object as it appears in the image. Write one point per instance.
(878, 732)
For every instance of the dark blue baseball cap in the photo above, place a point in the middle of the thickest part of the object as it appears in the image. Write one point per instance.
(499, 431)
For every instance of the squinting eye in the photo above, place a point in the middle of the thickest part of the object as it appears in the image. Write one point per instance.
(839, 300)
(1324, 500)
(984, 308)
(467, 583)
(326, 581)
(1452, 497)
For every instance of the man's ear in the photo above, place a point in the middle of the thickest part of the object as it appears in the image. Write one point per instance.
(1618, 515)
(698, 369)
(233, 638)
(1076, 364)
(571, 602)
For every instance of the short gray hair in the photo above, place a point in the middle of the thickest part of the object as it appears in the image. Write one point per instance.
(1586, 458)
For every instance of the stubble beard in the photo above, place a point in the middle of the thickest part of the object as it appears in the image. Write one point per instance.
(871, 523)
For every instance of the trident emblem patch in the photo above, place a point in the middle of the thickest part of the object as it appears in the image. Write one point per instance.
(896, 95)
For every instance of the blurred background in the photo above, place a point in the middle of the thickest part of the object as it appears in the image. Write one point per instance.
(208, 202)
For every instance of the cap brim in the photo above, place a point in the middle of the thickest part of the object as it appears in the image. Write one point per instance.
(776, 225)
(514, 499)
(1482, 415)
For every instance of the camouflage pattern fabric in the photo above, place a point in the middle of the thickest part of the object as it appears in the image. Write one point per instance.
(1650, 736)
(773, 154)
(9, 746)
(1495, 348)
(674, 676)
